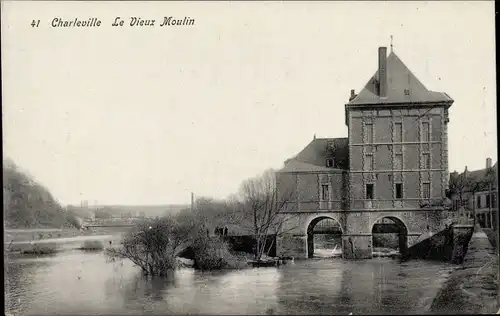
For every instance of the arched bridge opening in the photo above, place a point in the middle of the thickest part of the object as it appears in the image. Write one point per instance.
(389, 236)
(324, 238)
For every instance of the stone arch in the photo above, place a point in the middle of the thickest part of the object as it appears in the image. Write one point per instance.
(400, 227)
(311, 224)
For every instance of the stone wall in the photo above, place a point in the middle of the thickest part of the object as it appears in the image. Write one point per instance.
(472, 288)
(356, 229)
(388, 146)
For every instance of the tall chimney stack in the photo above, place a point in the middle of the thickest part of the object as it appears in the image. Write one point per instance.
(488, 162)
(382, 71)
(192, 201)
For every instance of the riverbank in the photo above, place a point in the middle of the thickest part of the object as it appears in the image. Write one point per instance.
(472, 287)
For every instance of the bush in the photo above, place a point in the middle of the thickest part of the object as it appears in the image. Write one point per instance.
(92, 245)
(41, 249)
(154, 246)
(212, 253)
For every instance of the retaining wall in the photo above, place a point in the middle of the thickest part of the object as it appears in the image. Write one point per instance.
(473, 287)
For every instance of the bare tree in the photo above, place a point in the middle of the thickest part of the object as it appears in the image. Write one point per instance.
(155, 245)
(457, 185)
(263, 206)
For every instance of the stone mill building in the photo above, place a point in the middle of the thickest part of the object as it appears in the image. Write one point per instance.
(393, 165)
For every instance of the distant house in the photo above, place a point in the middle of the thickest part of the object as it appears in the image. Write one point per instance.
(478, 193)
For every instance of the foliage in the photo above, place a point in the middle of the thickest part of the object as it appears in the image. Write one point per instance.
(154, 245)
(27, 204)
(41, 249)
(212, 253)
(211, 212)
(92, 245)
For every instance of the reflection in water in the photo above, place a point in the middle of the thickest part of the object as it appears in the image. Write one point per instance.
(84, 283)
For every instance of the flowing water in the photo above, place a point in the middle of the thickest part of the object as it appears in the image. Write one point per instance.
(77, 282)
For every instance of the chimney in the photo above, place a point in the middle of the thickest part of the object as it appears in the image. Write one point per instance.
(192, 201)
(353, 95)
(488, 163)
(382, 72)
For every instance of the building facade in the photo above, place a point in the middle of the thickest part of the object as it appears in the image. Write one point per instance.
(393, 164)
(479, 195)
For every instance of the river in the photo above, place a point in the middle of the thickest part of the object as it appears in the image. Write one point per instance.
(77, 282)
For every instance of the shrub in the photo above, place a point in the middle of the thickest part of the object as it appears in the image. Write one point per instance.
(92, 245)
(212, 253)
(154, 246)
(41, 249)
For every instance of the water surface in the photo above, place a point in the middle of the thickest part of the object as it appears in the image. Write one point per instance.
(76, 282)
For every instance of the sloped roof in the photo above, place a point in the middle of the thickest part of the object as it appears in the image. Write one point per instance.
(481, 173)
(478, 175)
(313, 157)
(399, 79)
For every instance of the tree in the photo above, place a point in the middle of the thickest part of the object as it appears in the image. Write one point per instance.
(457, 186)
(26, 202)
(262, 202)
(490, 179)
(155, 245)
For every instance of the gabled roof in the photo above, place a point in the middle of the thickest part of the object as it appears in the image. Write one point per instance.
(313, 157)
(399, 79)
(479, 175)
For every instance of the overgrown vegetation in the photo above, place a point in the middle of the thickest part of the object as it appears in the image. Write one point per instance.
(213, 253)
(154, 245)
(40, 249)
(28, 204)
(92, 245)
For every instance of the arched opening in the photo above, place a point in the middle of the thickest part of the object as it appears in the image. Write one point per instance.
(324, 238)
(389, 236)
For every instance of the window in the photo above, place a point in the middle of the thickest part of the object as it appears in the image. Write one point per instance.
(407, 91)
(368, 162)
(399, 190)
(426, 190)
(398, 161)
(325, 196)
(493, 200)
(398, 129)
(426, 160)
(368, 133)
(329, 163)
(488, 199)
(369, 191)
(425, 132)
(478, 201)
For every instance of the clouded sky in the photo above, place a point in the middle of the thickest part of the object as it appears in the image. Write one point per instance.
(147, 115)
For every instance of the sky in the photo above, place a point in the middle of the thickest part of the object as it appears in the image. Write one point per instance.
(147, 115)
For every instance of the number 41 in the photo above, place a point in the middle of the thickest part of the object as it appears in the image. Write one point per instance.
(35, 23)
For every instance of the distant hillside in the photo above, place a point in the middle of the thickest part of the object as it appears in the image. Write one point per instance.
(27, 204)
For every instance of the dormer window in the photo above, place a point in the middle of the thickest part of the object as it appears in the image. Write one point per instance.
(329, 163)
